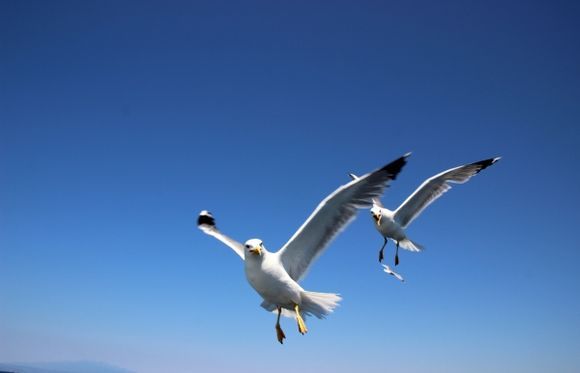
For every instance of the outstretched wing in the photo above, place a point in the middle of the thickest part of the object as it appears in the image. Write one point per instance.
(206, 223)
(434, 188)
(376, 201)
(332, 215)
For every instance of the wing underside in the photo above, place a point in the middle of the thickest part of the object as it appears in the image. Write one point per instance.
(206, 223)
(332, 215)
(435, 187)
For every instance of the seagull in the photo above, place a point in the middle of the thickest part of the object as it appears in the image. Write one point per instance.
(275, 275)
(392, 224)
(388, 270)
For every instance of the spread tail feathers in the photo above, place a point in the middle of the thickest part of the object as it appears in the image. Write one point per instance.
(313, 304)
(319, 304)
(407, 244)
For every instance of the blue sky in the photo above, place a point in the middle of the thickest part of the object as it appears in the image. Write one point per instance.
(119, 122)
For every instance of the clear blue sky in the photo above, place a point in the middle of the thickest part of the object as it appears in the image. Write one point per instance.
(119, 122)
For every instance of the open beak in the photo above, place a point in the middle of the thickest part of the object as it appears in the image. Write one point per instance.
(378, 219)
(256, 251)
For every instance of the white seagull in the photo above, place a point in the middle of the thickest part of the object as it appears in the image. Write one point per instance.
(392, 224)
(388, 270)
(275, 275)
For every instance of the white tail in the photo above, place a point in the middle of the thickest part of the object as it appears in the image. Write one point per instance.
(407, 244)
(319, 304)
(313, 304)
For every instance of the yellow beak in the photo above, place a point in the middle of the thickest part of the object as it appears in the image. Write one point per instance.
(378, 219)
(256, 251)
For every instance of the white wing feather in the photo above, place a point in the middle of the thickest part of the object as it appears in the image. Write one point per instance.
(435, 187)
(332, 215)
(206, 223)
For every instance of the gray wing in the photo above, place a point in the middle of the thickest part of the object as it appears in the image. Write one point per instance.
(332, 215)
(376, 201)
(206, 223)
(434, 188)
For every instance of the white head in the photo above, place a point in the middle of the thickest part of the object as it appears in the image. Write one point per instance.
(254, 246)
(376, 213)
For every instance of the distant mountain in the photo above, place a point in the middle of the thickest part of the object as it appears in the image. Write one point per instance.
(18, 368)
(62, 367)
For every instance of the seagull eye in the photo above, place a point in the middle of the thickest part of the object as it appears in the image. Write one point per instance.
(247, 246)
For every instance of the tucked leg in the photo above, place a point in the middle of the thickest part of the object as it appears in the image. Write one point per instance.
(301, 325)
(279, 333)
(382, 250)
(397, 255)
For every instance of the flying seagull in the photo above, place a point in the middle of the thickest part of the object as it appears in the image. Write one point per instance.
(275, 275)
(388, 270)
(392, 224)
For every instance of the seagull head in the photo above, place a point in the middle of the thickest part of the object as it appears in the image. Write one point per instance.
(376, 213)
(255, 247)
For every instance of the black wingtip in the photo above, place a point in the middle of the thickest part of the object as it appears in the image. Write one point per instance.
(485, 163)
(205, 218)
(396, 166)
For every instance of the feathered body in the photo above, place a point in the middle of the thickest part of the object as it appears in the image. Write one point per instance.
(266, 274)
(388, 226)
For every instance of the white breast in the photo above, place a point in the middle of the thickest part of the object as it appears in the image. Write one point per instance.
(268, 277)
(389, 227)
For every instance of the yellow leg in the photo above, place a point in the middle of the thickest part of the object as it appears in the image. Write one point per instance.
(301, 325)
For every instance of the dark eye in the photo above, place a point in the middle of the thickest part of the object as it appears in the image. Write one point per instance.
(247, 246)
